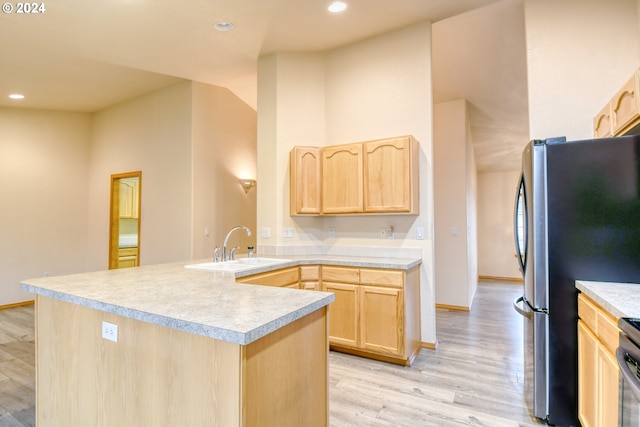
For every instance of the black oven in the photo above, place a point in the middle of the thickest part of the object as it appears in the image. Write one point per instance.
(628, 355)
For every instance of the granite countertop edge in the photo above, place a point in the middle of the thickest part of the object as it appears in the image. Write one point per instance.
(619, 299)
(251, 330)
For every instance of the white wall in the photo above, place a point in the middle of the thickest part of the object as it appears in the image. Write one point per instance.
(579, 53)
(496, 242)
(192, 142)
(43, 188)
(152, 134)
(376, 88)
(455, 206)
(224, 150)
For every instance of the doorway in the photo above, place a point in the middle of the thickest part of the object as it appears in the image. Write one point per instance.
(124, 220)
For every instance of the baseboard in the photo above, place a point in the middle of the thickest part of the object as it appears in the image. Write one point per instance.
(502, 279)
(17, 304)
(429, 345)
(453, 307)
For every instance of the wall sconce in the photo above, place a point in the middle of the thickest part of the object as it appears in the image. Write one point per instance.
(247, 184)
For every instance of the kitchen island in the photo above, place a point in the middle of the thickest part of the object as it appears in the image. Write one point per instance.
(166, 346)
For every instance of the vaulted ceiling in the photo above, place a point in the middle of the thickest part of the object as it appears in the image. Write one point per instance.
(85, 56)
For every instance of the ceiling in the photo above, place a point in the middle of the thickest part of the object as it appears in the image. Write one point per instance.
(84, 56)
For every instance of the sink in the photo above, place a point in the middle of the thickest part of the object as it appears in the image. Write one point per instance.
(240, 264)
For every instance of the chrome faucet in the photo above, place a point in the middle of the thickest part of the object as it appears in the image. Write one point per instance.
(224, 245)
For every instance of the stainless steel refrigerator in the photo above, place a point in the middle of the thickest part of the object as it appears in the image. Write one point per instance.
(577, 217)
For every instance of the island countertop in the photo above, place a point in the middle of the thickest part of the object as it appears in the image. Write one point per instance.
(205, 303)
(619, 299)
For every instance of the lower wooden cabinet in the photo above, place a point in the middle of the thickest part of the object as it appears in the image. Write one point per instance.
(376, 312)
(284, 278)
(127, 257)
(598, 372)
(310, 277)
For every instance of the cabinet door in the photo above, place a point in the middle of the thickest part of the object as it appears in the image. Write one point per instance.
(305, 181)
(342, 179)
(343, 314)
(587, 376)
(602, 126)
(381, 320)
(388, 175)
(624, 106)
(609, 389)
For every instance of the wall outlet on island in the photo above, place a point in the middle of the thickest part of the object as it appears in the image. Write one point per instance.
(110, 331)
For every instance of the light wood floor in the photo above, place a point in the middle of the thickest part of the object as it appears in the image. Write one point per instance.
(474, 378)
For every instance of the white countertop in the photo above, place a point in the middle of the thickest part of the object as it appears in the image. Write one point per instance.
(207, 303)
(619, 299)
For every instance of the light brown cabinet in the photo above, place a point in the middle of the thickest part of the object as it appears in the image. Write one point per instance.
(390, 176)
(369, 177)
(622, 112)
(129, 198)
(376, 312)
(284, 278)
(305, 181)
(310, 277)
(342, 187)
(127, 257)
(598, 372)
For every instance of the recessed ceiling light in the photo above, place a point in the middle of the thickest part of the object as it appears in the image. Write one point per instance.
(224, 26)
(337, 7)
(16, 96)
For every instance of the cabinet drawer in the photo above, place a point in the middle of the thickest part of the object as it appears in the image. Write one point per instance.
(284, 277)
(309, 272)
(587, 312)
(608, 331)
(391, 278)
(341, 274)
(599, 321)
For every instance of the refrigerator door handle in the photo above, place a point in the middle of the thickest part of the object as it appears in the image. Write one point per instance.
(521, 311)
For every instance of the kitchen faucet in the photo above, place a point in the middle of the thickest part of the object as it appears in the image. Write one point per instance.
(224, 245)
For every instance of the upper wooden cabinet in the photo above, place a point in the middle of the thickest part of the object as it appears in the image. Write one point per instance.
(342, 179)
(378, 176)
(129, 198)
(602, 126)
(622, 112)
(390, 175)
(306, 181)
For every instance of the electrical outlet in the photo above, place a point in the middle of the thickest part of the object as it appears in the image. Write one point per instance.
(383, 232)
(390, 233)
(207, 232)
(110, 331)
(332, 231)
(288, 232)
(265, 232)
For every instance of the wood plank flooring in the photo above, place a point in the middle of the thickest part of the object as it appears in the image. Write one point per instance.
(17, 367)
(473, 378)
